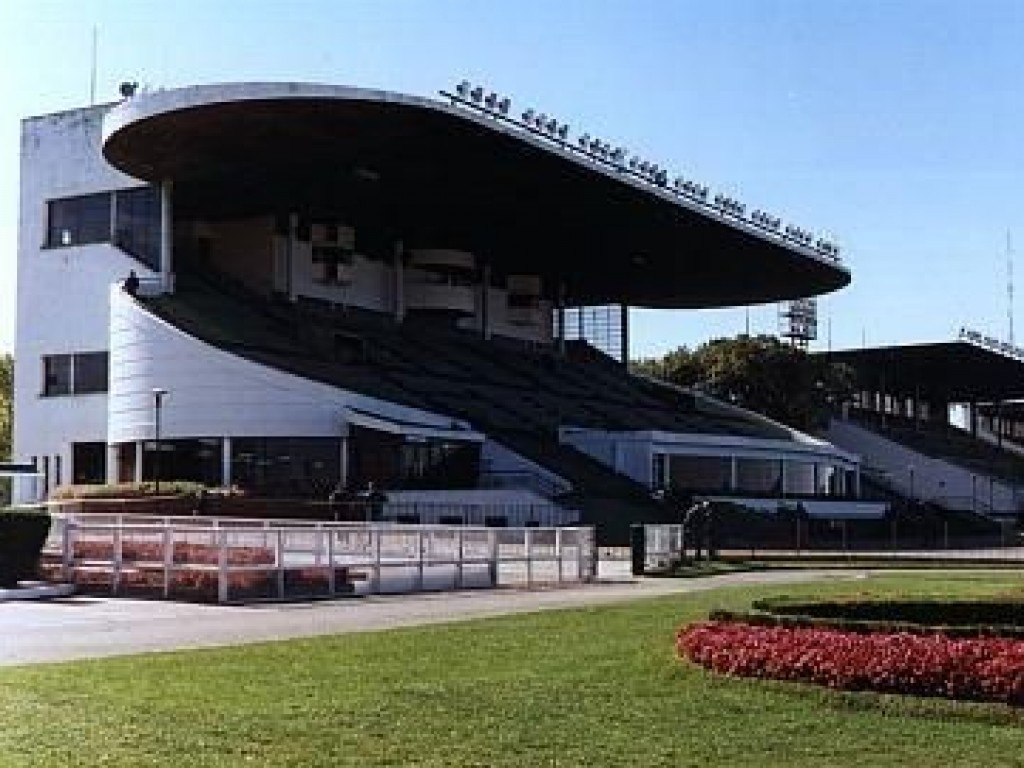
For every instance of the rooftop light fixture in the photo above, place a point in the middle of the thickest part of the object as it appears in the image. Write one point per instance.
(463, 89)
(504, 105)
(491, 101)
(477, 94)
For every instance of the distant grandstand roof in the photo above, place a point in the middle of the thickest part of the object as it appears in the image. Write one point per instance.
(436, 175)
(951, 371)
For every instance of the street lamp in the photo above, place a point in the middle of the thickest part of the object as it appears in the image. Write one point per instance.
(158, 399)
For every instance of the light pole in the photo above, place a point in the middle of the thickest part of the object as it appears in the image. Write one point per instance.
(158, 401)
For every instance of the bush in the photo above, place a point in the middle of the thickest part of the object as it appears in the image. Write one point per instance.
(126, 490)
(22, 536)
(982, 669)
(953, 618)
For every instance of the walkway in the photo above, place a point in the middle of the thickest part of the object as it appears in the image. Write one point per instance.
(89, 627)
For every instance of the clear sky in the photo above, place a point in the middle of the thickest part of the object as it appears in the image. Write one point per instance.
(895, 127)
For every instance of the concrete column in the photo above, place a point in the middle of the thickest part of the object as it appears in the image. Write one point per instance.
(624, 331)
(138, 461)
(111, 464)
(225, 463)
(560, 311)
(166, 236)
(343, 461)
(485, 301)
(399, 281)
(289, 255)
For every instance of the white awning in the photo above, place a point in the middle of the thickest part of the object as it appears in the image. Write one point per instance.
(411, 429)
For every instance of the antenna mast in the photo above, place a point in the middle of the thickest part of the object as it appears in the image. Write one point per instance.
(92, 70)
(1009, 283)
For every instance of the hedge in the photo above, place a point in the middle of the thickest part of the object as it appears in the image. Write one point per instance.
(22, 536)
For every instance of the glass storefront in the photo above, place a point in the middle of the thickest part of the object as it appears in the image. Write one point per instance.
(701, 473)
(286, 467)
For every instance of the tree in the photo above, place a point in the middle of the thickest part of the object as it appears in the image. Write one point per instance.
(6, 405)
(6, 422)
(760, 373)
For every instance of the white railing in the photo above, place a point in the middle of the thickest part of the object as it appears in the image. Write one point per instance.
(233, 560)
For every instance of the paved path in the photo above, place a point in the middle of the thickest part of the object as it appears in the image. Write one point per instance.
(88, 627)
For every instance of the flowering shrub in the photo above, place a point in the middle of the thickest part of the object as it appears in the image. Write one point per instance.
(984, 669)
(184, 552)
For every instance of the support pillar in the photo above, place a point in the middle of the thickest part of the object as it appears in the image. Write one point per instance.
(138, 460)
(485, 301)
(166, 236)
(624, 332)
(225, 463)
(112, 464)
(399, 264)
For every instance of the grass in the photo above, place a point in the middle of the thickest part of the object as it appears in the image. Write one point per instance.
(588, 687)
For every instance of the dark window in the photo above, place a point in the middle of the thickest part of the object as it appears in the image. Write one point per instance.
(137, 224)
(82, 373)
(56, 472)
(89, 463)
(286, 467)
(197, 460)
(329, 262)
(78, 220)
(57, 375)
(90, 372)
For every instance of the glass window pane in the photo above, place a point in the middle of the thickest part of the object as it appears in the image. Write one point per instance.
(78, 220)
(90, 372)
(700, 473)
(57, 375)
(137, 225)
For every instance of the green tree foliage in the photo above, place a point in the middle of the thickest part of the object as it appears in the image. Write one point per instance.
(6, 404)
(6, 421)
(760, 373)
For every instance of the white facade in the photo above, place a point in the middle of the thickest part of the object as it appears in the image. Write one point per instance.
(62, 292)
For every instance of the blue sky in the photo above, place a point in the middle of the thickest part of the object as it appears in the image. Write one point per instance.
(895, 127)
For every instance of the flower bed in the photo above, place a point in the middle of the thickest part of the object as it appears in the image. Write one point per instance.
(982, 669)
(184, 553)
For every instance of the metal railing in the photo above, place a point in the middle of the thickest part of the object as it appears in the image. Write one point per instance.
(660, 546)
(237, 560)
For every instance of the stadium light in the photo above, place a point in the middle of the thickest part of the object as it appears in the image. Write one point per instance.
(491, 101)
(477, 94)
(504, 105)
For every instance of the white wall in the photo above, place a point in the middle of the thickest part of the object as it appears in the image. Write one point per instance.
(62, 292)
(214, 393)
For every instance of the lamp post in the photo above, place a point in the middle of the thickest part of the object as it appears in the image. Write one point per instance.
(158, 400)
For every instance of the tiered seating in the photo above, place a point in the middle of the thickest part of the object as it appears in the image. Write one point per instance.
(949, 443)
(517, 393)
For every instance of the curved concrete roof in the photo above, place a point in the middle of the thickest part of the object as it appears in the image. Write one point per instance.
(434, 174)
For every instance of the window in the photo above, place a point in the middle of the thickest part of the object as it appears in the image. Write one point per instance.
(137, 224)
(128, 218)
(57, 375)
(82, 373)
(78, 220)
(89, 462)
(90, 372)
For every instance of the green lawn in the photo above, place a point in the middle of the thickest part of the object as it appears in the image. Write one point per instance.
(570, 688)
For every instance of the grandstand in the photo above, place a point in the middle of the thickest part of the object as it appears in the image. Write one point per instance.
(900, 422)
(337, 287)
